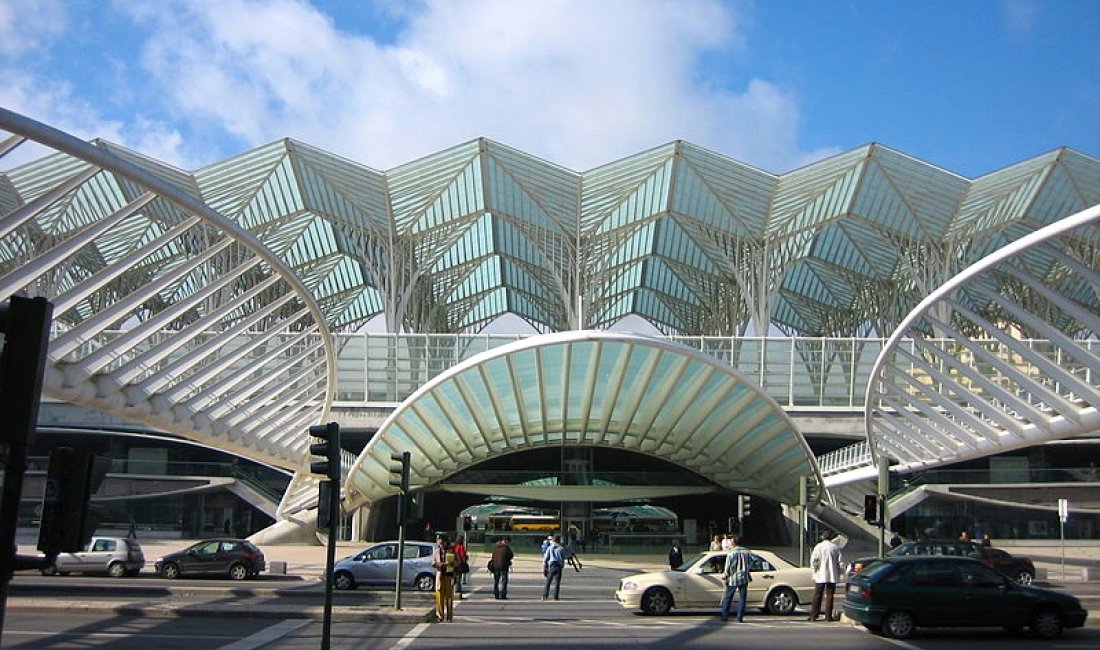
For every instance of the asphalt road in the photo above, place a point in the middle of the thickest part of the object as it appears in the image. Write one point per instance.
(587, 617)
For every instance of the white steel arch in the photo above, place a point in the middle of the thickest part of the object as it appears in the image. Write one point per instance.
(592, 388)
(165, 312)
(1022, 361)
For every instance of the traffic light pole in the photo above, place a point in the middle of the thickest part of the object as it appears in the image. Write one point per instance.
(330, 561)
(399, 478)
(400, 551)
(329, 449)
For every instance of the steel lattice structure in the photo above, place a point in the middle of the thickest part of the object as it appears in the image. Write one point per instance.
(993, 389)
(202, 302)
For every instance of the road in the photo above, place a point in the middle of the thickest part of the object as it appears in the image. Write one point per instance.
(587, 617)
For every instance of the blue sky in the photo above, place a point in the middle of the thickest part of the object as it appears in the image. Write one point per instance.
(971, 86)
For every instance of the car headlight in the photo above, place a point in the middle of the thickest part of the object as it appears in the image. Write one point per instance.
(628, 585)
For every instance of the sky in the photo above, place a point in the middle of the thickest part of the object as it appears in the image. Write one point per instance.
(970, 86)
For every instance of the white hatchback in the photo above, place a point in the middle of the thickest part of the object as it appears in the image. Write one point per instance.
(777, 586)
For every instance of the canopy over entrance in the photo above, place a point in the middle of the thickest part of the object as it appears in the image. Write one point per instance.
(592, 388)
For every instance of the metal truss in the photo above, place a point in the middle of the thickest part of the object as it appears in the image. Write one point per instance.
(1015, 362)
(165, 312)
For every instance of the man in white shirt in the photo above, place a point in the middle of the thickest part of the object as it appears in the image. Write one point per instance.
(825, 563)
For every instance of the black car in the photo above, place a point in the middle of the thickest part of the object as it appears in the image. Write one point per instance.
(235, 558)
(1020, 569)
(896, 595)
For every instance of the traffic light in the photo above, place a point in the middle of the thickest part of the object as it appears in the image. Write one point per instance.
(324, 504)
(870, 508)
(744, 506)
(25, 323)
(399, 478)
(399, 474)
(329, 449)
(71, 479)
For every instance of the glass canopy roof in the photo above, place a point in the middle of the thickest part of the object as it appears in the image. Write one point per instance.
(688, 239)
(592, 388)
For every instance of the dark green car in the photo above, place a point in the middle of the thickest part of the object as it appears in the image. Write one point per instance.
(894, 596)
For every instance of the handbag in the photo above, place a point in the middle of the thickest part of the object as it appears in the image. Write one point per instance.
(490, 566)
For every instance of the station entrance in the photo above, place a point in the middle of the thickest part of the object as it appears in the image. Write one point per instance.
(601, 500)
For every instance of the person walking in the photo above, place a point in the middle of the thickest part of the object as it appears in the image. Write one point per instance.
(738, 575)
(675, 555)
(552, 562)
(443, 559)
(462, 563)
(825, 564)
(501, 564)
(716, 543)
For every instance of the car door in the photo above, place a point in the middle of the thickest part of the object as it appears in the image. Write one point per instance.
(935, 595)
(413, 564)
(379, 565)
(763, 577)
(81, 560)
(704, 585)
(201, 558)
(992, 599)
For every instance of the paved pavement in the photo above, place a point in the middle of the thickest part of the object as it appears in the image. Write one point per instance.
(299, 593)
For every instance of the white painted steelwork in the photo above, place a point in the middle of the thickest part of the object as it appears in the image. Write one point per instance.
(987, 391)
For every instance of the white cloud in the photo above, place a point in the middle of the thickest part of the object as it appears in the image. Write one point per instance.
(29, 25)
(579, 83)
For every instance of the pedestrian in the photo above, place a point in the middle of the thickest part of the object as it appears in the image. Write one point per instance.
(675, 555)
(986, 540)
(727, 542)
(443, 559)
(553, 560)
(825, 564)
(462, 563)
(570, 553)
(738, 575)
(965, 536)
(716, 543)
(500, 565)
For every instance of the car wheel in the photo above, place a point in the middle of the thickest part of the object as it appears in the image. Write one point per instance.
(116, 570)
(343, 580)
(1024, 578)
(781, 601)
(656, 602)
(238, 572)
(170, 571)
(424, 582)
(899, 624)
(1046, 623)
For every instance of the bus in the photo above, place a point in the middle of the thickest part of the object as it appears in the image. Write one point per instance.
(524, 522)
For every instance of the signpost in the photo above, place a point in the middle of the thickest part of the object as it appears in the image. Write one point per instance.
(1063, 515)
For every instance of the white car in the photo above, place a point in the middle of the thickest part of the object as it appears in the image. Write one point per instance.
(777, 586)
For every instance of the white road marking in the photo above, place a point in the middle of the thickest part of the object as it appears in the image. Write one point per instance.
(267, 635)
(407, 640)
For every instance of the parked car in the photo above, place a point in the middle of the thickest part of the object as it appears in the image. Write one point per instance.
(236, 558)
(1020, 569)
(377, 565)
(898, 594)
(777, 586)
(114, 556)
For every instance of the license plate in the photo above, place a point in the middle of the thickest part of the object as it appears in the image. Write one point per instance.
(853, 589)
